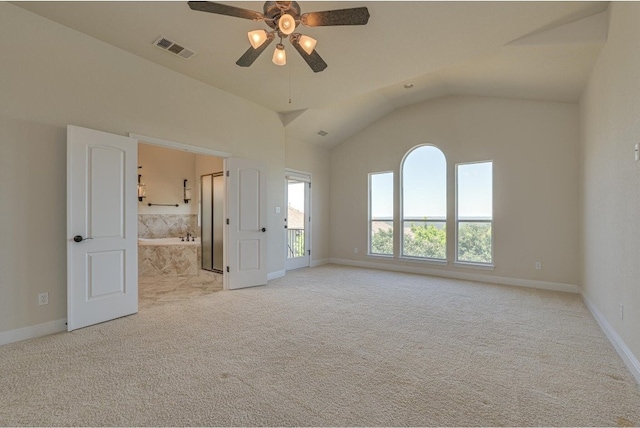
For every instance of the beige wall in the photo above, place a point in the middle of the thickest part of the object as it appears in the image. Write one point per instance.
(53, 76)
(163, 171)
(610, 127)
(534, 148)
(315, 160)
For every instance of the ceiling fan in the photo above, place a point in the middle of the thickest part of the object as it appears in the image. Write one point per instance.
(284, 17)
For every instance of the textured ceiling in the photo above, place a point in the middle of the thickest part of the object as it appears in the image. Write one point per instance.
(532, 50)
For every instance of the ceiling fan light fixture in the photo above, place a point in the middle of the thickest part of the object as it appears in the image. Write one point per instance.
(286, 24)
(308, 44)
(257, 38)
(279, 55)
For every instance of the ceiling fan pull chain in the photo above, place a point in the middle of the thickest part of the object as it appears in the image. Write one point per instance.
(290, 84)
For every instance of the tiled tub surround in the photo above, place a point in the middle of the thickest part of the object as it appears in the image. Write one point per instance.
(168, 257)
(153, 226)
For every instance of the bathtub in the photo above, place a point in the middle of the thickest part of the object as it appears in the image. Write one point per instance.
(166, 241)
(168, 256)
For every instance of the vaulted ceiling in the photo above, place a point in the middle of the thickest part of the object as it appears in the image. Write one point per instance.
(532, 50)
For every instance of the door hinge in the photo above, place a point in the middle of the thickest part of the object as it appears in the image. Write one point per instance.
(227, 221)
(227, 269)
(309, 252)
(227, 173)
(309, 219)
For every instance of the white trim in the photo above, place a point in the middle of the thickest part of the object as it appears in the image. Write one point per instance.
(33, 331)
(621, 348)
(320, 262)
(471, 265)
(543, 285)
(424, 260)
(178, 146)
(297, 174)
(275, 275)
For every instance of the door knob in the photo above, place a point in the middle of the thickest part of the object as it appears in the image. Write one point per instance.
(79, 238)
(264, 229)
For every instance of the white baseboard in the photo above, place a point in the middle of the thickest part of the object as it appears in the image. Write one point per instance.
(33, 331)
(275, 275)
(468, 276)
(621, 348)
(320, 262)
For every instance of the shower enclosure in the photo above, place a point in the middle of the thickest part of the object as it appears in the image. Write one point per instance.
(211, 217)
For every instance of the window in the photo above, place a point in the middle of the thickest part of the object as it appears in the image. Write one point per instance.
(424, 203)
(381, 213)
(474, 217)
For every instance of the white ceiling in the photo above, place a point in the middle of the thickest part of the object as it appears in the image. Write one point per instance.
(533, 50)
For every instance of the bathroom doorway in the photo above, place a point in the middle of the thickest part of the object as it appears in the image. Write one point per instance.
(176, 232)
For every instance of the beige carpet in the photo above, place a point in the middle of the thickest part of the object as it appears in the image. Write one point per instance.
(330, 346)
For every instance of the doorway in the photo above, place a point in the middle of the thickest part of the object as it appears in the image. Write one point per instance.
(102, 237)
(175, 225)
(297, 220)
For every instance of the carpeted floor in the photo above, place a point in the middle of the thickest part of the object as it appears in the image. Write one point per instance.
(330, 346)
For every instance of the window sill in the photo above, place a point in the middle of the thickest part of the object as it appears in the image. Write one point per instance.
(422, 260)
(380, 256)
(471, 265)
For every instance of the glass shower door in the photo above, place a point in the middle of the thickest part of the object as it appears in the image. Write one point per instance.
(212, 186)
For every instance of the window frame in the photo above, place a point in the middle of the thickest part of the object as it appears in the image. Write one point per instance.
(370, 218)
(457, 261)
(402, 220)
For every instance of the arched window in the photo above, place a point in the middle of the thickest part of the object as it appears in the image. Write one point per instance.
(424, 203)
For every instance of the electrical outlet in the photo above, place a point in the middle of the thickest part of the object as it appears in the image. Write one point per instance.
(538, 266)
(43, 299)
(355, 250)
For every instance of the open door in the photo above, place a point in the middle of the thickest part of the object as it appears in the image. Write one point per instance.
(102, 227)
(297, 220)
(246, 261)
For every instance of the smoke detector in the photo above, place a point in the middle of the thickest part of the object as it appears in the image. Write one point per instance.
(171, 46)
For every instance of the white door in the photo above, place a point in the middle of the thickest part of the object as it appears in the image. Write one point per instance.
(102, 227)
(297, 221)
(246, 262)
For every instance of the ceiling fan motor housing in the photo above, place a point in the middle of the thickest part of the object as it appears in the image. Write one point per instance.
(273, 10)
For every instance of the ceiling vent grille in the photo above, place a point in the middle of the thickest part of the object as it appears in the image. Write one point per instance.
(171, 46)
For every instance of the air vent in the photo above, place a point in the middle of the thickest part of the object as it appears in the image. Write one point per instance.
(171, 46)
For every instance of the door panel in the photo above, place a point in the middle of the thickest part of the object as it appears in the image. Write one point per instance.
(247, 215)
(106, 197)
(249, 203)
(102, 260)
(104, 274)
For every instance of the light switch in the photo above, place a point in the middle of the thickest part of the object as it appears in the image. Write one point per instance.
(277, 210)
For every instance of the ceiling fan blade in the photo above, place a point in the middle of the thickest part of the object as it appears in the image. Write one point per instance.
(314, 60)
(252, 54)
(354, 16)
(223, 9)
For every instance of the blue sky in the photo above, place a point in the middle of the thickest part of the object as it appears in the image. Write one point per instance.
(424, 184)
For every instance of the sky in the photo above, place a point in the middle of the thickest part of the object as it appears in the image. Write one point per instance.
(295, 194)
(424, 185)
